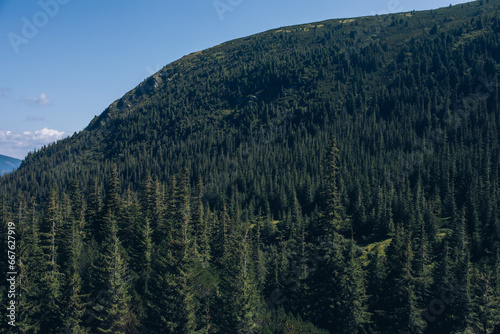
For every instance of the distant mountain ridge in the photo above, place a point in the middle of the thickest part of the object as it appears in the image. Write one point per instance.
(8, 164)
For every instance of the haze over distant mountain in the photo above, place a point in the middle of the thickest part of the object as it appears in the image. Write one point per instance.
(333, 177)
(8, 164)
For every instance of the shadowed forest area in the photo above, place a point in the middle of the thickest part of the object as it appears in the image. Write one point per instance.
(334, 177)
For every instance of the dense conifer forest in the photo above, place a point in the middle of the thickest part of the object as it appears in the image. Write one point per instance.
(334, 177)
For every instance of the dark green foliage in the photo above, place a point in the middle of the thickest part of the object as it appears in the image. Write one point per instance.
(51, 278)
(400, 307)
(333, 212)
(341, 176)
(163, 298)
(113, 312)
(278, 321)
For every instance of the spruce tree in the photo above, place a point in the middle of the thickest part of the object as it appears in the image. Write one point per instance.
(113, 311)
(354, 316)
(163, 295)
(333, 213)
(29, 258)
(325, 285)
(438, 315)
(92, 212)
(50, 283)
(110, 281)
(75, 305)
(375, 274)
(75, 300)
(422, 273)
(485, 303)
(461, 306)
(239, 293)
(401, 312)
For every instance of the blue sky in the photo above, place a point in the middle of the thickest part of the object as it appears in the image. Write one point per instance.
(64, 61)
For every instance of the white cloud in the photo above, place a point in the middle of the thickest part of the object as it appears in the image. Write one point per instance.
(42, 100)
(17, 144)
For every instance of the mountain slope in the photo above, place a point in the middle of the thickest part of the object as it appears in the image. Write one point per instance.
(341, 175)
(239, 95)
(8, 164)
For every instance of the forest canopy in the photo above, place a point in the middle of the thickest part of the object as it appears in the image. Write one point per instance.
(334, 177)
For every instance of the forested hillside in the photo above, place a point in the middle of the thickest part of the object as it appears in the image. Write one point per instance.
(334, 177)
